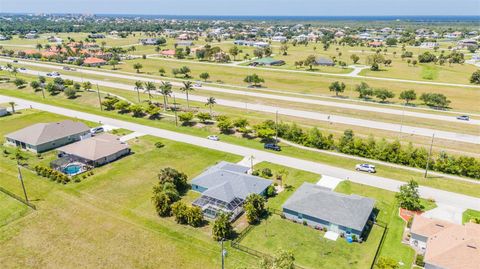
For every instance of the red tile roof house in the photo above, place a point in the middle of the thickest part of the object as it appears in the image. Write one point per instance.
(375, 44)
(446, 245)
(167, 53)
(93, 61)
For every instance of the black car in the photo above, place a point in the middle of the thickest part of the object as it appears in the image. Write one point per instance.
(15, 61)
(272, 147)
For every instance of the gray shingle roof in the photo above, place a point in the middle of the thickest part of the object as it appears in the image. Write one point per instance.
(42, 133)
(350, 211)
(227, 181)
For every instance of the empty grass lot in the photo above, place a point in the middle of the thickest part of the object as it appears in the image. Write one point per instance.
(11, 209)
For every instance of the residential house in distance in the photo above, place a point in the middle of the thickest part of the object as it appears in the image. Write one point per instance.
(322, 61)
(95, 151)
(446, 245)
(268, 61)
(184, 43)
(279, 39)
(93, 61)
(95, 36)
(41, 137)
(149, 41)
(224, 188)
(31, 36)
(258, 44)
(321, 207)
(429, 45)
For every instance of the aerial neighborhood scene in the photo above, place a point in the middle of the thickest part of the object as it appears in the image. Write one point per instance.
(253, 135)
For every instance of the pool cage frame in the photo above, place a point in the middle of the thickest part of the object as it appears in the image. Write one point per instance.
(62, 162)
(212, 207)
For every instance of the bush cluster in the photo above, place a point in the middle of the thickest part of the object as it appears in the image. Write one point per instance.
(52, 174)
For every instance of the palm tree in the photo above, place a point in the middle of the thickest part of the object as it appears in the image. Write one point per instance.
(210, 102)
(13, 106)
(149, 87)
(187, 87)
(166, 91)
(39, 47)
(138, 87)
(47, 46)
(14, 71)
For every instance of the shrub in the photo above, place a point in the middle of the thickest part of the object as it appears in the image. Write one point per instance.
(305, 223)
(267, 172)
(419, 260)
(159, 145)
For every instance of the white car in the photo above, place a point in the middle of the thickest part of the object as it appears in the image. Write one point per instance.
(213, 137)
(365, 167)
(197, 85)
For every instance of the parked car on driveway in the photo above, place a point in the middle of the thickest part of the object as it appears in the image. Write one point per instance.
(272, 147)
(213, 137)
(365, 167)
(463, 117)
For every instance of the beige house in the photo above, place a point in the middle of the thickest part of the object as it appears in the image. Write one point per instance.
(41, 137)
(96, 151)
(446, 245)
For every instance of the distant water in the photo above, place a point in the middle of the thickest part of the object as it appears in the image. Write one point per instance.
(472, 18)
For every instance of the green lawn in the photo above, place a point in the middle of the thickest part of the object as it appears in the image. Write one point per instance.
(311, 250)
(388, 213)
(470, 214)
(11, 209)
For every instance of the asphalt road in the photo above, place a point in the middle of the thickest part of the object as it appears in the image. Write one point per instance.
(404, 129)
(455, 200)
(400, 112)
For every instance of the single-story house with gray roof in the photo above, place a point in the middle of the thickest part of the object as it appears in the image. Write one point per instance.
(324, 61)
(269, 61)
(225, 187)
(41, 137)
(320, 207)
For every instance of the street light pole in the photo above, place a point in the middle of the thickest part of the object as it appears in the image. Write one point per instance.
(429, 156)
(276, 127)
(99, 98)
(175, 110)
(401, 123)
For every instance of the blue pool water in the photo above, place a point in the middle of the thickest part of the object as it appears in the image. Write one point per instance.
(72, 169)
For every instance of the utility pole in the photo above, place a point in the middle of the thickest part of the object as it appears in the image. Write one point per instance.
(21, 180)
(224, 252)
(251, 162)
(429, 156)
(276, 127)
(42, 86)
(175, 110)
(401, 123)
(99, 98)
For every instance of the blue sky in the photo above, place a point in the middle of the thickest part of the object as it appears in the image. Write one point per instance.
(248, 7)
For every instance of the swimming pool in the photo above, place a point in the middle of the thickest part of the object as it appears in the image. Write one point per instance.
(72, 169)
